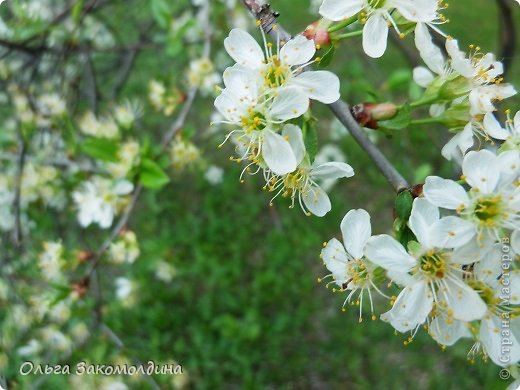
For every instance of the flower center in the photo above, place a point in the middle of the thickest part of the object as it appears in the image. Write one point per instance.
(254, 121)
(275, 73)
(434, 264)
(488, 209)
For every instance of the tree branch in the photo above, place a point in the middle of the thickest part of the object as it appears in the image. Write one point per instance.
(340, 108)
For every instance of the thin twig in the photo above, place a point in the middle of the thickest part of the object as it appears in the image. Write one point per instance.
(20, 163)
(340, 109)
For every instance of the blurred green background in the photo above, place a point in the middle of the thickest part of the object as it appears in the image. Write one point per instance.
(244, 309)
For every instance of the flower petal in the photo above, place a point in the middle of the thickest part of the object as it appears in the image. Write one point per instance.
(319, 85)
(411, 307)
(277, 153)
(290, 103)
(317, 201)
(452, 232)
(335, 259)
(424, 215)
(422, 76)
(465, 302)
(340, 9)
(481, 170)
(493, 128)
(445, 193)
(356, 230)
(375, 35)
(447, 331)
(332, 170)
(430, 53)
(295, 137)
(244, 49)
(386, 252)
(297, 51)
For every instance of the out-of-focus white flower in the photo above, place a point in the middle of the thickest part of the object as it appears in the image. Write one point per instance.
(32, 348)
(99, 199)
(51, 261)
(55, 339)
(214, 174)
(125, 249)
(128, 157)
(51, 105)
(125, 289)
(329, 153)
(202, 74)
(125, 114)
(104, 127)
(112, 384)
(165, 271)
(183, 153)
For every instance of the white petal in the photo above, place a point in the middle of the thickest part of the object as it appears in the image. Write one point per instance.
(515, 241)
(452, 232)
(230, 108)
(445, 193)
(317, 201)
(493, 128)
(447, 331)
(424, 215)
(244, 49)
(375, 35)
(297, 51)
(459, 62)
(509, 163)
(481, 170)
(422, 76)
(340, 9)
(123, 187)
(335, 259)
(295, 137)
(332, 170)
(290, 103)
(465, 302)
(319, 85)
(430, 53)
(386, 252)
(489, 268)
(411, 307)
(356, 230)
(493, 340)
(277, 153)
(417, 10)
(514, 285)
(471, 252)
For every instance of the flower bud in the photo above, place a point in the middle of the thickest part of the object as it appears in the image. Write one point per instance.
(367, 114)
(317, 31)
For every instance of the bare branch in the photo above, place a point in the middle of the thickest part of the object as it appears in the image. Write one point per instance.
(20, 163)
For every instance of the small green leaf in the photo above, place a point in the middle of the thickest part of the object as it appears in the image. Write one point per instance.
(400, 121)
(326, 59)
(152, 176)
(399, 79)
(101, 149)
(310, 135)
(403, 205)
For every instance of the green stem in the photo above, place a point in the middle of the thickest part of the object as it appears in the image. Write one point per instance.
(347, 35)
(343, 24)
(426, 121)
(423, 102)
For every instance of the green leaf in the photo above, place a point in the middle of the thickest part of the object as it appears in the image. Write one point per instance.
(326, 59)
(161, 12)
(101, 149)
(400, 121)
(310, 139)
(152, 176)
(403, 205)
(399, 79)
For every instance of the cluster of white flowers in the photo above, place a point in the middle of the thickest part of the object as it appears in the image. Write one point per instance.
(378, 15)
(263, 91)
(125, 249)
(463, 90)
